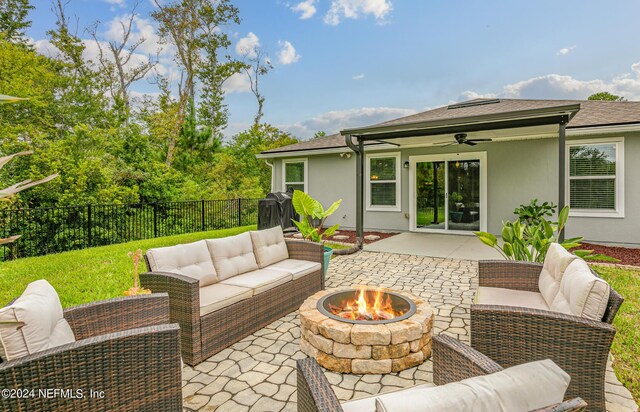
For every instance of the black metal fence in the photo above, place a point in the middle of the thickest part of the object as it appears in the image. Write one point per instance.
(58, 229)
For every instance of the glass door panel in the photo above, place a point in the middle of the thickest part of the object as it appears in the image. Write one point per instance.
(463, 194)
(430, 195)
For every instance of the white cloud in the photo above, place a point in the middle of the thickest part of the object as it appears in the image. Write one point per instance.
(556, 86)
(115, 2)
(305, 8)
(358, 76)
(565, 50)
(248, 45)
(354, 9)
(334, 121)
(470, 95)
(237, 83)
(287, 53)
(142, 29)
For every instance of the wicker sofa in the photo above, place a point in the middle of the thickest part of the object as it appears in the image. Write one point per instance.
(222, 290)
(453, 361)
(512, 323)
(123, 346)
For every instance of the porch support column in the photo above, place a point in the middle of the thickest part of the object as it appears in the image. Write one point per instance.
(359, 151)
(562, 139)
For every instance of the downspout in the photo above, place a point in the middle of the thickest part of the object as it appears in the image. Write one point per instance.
(272, 174)
(562, 160)
(359, 150)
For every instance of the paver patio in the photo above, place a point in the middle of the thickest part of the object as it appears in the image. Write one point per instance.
(258, 373)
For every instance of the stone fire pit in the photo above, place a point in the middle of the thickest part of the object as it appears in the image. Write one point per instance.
(362, 347)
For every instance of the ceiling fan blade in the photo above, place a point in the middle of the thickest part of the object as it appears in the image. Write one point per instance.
(479, 140)
(470, 142)
(444, 144)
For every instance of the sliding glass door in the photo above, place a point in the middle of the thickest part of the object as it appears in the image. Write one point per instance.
(447, 193)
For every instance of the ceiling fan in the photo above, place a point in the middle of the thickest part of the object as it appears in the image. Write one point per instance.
(461, 138)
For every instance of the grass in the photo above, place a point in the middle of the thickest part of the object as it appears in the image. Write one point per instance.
(82, 276)
(333, 245)
(425, 217)
(625, 348)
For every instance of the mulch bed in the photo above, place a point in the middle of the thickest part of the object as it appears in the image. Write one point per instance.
(352, 236)
(627, 256)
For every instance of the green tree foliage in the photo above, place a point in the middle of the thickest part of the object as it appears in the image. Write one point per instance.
(606, 96)
(13, 19)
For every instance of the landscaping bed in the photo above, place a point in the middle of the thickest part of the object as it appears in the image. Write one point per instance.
(352, 236)
(627, 256)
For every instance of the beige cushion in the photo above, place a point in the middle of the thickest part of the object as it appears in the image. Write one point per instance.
(44, 325)
(218, 296)
(581, 292)
(260, 280)
(232, 255)
(298, 268)
(368, 404)
(510, 297)
(269, 246)
(555, 263)
(191, 259)
(520, 388)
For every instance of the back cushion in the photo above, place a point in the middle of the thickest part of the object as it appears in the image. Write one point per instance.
(232, 255)
(44, 327)
(269, 246)
(523, 387)
(581, 292)
(555, 263)
(191, 259)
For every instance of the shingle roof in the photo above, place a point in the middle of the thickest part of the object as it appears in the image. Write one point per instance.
(592, 113)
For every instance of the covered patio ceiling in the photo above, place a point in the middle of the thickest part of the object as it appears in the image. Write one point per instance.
(507, 125)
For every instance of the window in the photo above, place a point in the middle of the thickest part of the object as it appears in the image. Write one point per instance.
(595, 178)
(294, 174)
(383, 182)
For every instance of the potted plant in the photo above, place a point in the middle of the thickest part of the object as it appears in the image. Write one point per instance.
(312, 217)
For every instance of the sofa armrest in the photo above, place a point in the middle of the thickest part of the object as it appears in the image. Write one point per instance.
(314, 390)
(305, 250)
(572, 405)
(118, 314)
(137, 369)
(509, 274)
(454, 361)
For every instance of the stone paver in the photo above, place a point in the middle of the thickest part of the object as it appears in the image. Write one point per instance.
(258, 373)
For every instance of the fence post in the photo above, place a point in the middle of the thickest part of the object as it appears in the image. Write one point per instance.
(155, 219)
(239, 212)
(202, 214)
(89, 224)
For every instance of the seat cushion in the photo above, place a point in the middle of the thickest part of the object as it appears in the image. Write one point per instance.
(269, 246)
(523, 387)
(218, 296)
(581, 292)
(260, 280)
(232, 255)
(191, 259)
(368, 404)
(298, 268)
(555, 263)
(510, 297)
(44, 326)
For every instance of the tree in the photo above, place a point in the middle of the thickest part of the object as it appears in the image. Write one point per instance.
(606, 96)
(319, 134)
(256, 64)
(13, 19)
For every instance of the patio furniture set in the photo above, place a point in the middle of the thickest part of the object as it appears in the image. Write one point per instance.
(548, 325)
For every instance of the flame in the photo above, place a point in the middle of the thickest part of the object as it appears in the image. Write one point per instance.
(367, 304)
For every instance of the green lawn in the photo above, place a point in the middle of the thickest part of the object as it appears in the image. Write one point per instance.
(425, 216)
(82, 276)
(626, 347)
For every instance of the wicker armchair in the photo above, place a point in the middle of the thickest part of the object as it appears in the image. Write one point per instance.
(512, 335)
(452, 361)
(125, 347)
(204, 336)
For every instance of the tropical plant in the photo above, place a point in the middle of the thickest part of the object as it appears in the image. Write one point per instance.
(528, 241)
(312, 217)
(533, 212)
(136, 289)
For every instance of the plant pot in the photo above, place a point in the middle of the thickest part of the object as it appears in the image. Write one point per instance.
(327, 258)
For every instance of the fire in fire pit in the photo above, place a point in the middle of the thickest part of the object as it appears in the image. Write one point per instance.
(365, 305)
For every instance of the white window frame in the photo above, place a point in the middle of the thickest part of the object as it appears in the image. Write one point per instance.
(306, 173)
(398, 181)
(619, 178)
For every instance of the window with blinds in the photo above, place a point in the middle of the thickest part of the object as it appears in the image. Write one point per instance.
(383, 173)
(593, 175)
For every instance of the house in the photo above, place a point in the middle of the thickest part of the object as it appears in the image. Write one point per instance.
(465, 167)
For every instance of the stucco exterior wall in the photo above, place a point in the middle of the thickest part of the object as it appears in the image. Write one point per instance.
(517, 171)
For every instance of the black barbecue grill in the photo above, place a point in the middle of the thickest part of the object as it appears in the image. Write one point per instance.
(277, 209)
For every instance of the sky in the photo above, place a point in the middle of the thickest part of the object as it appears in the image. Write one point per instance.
(348, 63)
